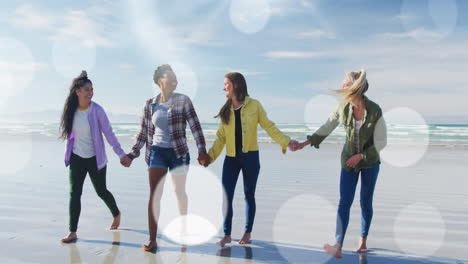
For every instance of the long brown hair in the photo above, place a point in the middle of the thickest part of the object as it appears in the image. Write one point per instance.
(240, 91)
(71, 104)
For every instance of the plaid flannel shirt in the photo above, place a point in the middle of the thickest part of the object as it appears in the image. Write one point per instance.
(179, 113)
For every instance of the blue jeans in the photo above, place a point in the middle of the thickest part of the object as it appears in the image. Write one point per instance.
(348, 182)
(249, 163)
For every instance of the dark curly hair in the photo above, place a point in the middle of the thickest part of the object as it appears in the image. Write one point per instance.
(71, 104)
(158, 73)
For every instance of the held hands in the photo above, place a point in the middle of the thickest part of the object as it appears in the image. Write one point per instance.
(126, 161)
(294, 145)
(354, 160)
(204, 159)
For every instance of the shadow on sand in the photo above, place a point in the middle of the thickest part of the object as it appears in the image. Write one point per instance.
(261, 252)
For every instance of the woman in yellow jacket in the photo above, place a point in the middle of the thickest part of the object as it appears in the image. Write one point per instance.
(240, 117)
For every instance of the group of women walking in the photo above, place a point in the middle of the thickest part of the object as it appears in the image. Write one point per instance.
(163, 134)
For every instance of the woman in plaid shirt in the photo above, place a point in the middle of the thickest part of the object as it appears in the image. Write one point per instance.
(162, 130)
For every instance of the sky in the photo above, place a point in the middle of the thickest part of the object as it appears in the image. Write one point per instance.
(293, 53)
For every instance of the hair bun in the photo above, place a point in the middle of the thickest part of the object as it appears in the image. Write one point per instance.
(83, 74)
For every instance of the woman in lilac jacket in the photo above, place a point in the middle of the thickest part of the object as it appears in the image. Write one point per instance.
(82, 125)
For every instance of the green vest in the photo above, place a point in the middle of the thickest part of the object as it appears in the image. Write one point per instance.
(372, 134)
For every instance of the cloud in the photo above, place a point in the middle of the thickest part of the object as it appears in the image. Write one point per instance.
(243, 71)
(200, 35)
(29, 17)
(17, 67)
(325, 86)
(406, 17)
(284, 101)
(284, 8)
(23, 67)
(88, 25)
(173, 40)
(318, 33)
(308, 3)
(422, 80)
(126, 66)
(428, 78)
(428, 105)
(81, 25)
(285, 54)
(15, 76)
(419, 33)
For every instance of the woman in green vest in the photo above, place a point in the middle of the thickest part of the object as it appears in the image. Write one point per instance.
(365, 137)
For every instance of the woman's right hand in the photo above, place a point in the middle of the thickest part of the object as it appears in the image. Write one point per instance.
(204, 159)
(126, 161)
(302, 145)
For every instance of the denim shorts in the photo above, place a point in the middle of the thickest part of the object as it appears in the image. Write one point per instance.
(166, 158)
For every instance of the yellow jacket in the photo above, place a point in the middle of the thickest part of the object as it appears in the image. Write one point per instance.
(252, 114)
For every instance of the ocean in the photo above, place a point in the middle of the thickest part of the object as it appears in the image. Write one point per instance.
(434, 134)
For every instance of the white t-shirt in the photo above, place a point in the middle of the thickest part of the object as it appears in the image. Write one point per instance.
(357, 127)
(162, 137)
(83, 145)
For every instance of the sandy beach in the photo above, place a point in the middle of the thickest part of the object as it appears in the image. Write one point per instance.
(420, 211)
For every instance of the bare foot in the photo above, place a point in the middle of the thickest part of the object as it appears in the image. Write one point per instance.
(361, 250)
(245, 239)
(72, 237)
(334, 251)
(362, 246)
(224, 241)
(151, 246)
(115, 224)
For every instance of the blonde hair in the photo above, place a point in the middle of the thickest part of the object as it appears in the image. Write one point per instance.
(358, 87)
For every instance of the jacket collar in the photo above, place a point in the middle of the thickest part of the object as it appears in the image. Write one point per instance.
(157, 97)
(156, 101)
(246, 101)
(350, 111)
(91, 108)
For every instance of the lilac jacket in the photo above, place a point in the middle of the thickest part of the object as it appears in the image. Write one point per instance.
(99, 124)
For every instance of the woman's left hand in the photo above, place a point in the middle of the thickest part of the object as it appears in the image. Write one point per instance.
(204, 159)
(354, 160)
(126, 161)
(293, 145)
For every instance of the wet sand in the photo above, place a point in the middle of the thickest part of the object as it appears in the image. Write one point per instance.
(297, 196)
